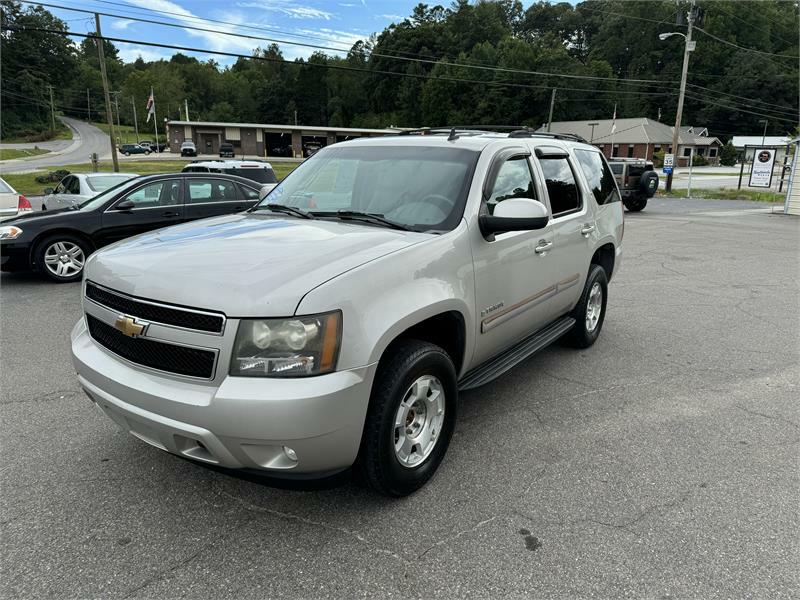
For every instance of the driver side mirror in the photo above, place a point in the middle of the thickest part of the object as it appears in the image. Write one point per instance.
(514, 214)
(49, 191)
(125, 205)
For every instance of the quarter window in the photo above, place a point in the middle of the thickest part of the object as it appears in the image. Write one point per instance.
(561, 186)
(160, 193)
(514, 180)
(211, 190)
(73, 186)
(598, 176)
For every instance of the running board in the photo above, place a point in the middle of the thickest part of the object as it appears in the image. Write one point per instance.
(510, 358)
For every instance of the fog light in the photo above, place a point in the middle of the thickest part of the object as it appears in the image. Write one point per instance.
(291, 454)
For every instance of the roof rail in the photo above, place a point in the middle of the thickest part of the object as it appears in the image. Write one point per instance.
(527, 132)
(514, 131)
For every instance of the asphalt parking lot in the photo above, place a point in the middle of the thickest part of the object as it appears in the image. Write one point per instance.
(660, 463)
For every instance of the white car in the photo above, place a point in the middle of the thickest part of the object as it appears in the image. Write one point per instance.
(77, 188)
(12, 203)
(256, 170)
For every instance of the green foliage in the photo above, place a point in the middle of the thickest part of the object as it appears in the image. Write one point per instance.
(699, 161)
(728, 155)
(658, 159)
(430, 69)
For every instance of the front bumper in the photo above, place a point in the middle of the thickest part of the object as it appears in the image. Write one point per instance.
(15, 256)
(239, 423)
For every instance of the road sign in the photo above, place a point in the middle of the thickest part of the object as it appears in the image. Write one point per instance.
(669, 160)
(667, 170)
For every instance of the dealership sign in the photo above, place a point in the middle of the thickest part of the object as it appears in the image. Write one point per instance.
(761, 171)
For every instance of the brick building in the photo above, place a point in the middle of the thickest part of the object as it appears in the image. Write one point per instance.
(641, 138)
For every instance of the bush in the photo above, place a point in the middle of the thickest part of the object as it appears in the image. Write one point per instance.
(699, 161)
(658, 159)
(728, 155)
(52, 176)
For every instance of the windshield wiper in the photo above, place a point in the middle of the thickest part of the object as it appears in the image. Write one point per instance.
(291, 210)
(363, 216)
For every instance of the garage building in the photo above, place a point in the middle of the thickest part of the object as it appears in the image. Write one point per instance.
(261, 139)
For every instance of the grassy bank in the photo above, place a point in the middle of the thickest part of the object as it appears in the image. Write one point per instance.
(60, 133)
(12, 153)
(25, 183)
(126, 134)
(728, 194)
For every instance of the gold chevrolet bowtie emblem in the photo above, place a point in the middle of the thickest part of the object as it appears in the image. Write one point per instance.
(129, 326)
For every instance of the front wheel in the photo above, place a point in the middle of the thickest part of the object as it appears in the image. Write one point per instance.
(590, 311)
(127, 153)
(410, 420)
(61, 258)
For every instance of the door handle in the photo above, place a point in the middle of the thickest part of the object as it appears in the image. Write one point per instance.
(169, 213)
(543, 246)
(587, 229)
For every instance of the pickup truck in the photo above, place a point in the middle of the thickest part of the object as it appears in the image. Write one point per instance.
(334, 324)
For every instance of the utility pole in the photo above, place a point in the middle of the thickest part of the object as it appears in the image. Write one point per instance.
(552, 104)
(116, 104)
(135, 122)
(104, 75)
(689, 47)
(186, 105)
(592, 125)
(764, 135)
(52, 108)
(88, 107)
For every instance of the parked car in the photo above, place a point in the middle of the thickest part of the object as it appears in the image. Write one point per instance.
(153, 147)
(188, 148)
(77, 188)
(302, 342)
(281, 151)
(57, 243)
(311, 149)
(637, 180)
(128, 149)
(226, 150)
(256, 170)
(12, 203)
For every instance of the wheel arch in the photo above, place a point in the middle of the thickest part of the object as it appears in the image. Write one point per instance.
(604, 256)
(45, 235)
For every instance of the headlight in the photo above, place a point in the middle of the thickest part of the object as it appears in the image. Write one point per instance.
(10, 232)
(294, 347)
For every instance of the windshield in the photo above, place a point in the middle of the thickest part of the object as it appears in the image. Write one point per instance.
(105, 196)
(422, 188)
(101, 184)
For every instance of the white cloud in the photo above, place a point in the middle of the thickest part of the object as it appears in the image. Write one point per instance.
(289, 8)
(130, 52)
(121, 24)
(390, 17)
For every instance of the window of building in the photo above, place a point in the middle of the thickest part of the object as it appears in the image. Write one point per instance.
(514, 180)
(687, 152)
(561, 186)
(598, 175)
(657, 148)
(615, 150)
(700, 151)
(712, 152)
(630, 150)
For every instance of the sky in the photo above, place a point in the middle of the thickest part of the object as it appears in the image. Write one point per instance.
(334, 23)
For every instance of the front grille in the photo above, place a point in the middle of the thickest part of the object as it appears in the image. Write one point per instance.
(156, 313)
(150, 353)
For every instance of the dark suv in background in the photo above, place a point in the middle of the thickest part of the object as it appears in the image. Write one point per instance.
(226, 150)
(637, 181)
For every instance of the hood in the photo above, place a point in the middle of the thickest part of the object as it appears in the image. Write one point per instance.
(248, 264)
(45, 217)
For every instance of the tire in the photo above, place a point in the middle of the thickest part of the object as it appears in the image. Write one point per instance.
(635, 204)
(147, 152)
(648, 184)
(584, 334)
(49, 262)
(127, 153)
(412, 365)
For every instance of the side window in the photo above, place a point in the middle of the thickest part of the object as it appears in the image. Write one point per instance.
(514, 180)
(211, 190)
(61, 188)
(160, 193)
(561, 186)
(248, 193)
(73, 185)
(598, 175)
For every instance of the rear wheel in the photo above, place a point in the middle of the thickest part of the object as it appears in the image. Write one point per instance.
(410, 419)
(590, 311)
(127, 153)
(62, 257)
(635, 204)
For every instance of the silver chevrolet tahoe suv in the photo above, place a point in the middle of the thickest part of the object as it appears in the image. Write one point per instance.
(335, 323)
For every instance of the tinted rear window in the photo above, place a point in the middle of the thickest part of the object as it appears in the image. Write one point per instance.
(598, 175)
(259, 175)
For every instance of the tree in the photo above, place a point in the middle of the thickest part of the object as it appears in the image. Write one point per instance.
(728, 155)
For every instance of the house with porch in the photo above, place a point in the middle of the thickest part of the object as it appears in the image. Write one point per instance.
(641, 138)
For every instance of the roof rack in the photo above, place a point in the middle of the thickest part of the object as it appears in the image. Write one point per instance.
(514, 131)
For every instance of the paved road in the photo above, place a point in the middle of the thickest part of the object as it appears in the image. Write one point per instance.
(661, 463)
(86, 140)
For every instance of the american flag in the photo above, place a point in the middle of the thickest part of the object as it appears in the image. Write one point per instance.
(151, 106)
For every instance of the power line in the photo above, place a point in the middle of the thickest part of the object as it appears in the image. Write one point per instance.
(407, 59)
(737, 108)
(750, 25)
(777, 107)
(719, 39)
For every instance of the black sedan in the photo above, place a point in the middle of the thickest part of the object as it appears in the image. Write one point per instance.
(56, 243)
